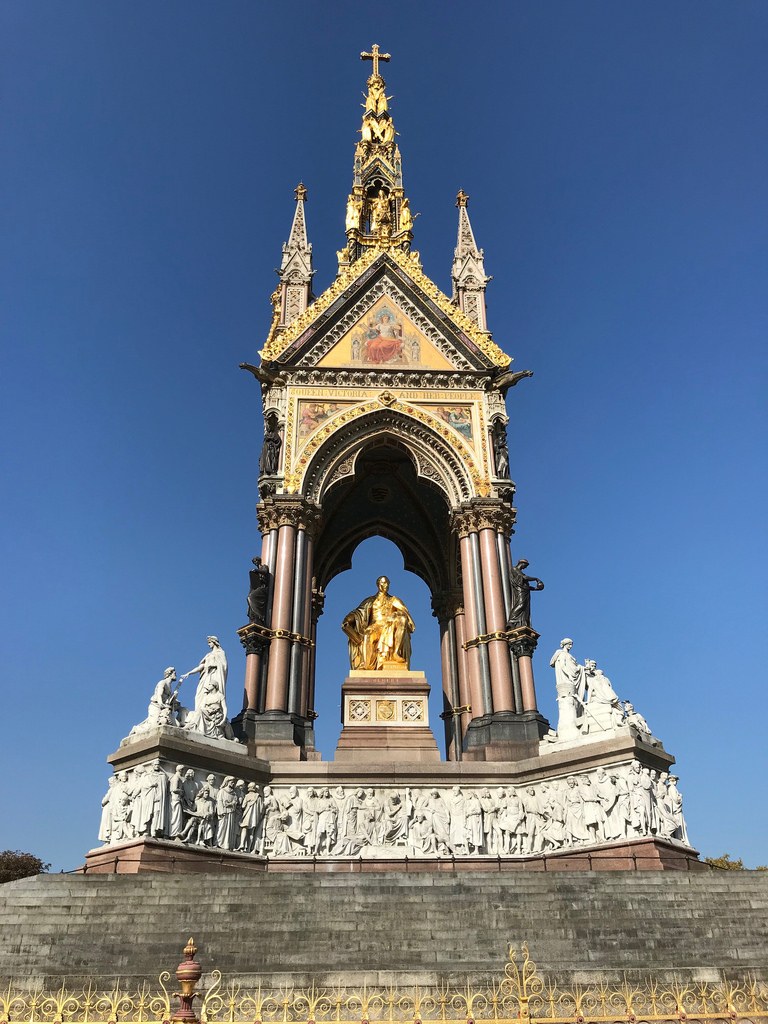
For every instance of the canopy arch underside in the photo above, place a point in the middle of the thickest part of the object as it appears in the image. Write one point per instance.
(435, 461)
(384, 496)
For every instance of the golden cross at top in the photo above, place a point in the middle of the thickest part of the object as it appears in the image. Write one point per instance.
(375, 56)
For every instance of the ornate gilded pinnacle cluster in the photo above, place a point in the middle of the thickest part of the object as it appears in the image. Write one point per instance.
(378, 213)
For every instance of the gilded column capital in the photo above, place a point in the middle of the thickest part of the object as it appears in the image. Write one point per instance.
(254, 638)
(522, 641)
(483, 514)
(288, 510)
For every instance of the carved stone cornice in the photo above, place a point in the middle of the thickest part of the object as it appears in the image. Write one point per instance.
(443, 380)
(288, 510)
(483, 514)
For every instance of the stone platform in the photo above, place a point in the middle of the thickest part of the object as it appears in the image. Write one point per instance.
(159, 855)
(386, 928)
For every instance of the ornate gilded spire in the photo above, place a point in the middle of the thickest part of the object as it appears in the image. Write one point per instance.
(295, 289)
(378, 214)
(468, 271)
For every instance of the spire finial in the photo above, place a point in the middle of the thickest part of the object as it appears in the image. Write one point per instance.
(375, 56)
(462, 199)
(300, 193)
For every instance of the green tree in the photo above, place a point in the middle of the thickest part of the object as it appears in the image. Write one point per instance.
(15, 864)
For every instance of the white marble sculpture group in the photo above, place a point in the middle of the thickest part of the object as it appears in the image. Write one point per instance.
(587, 703)
(602, 805)
(209, 714)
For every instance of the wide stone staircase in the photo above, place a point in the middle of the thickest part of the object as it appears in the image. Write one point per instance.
(385, 928)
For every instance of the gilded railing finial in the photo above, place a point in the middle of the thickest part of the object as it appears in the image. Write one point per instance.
(188, 973)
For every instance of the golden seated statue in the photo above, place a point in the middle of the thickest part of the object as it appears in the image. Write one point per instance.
(379, 632)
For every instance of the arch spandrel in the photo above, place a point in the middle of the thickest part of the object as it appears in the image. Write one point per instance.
(439, 453)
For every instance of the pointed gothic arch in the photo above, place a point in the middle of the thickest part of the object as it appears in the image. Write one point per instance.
(436, 461)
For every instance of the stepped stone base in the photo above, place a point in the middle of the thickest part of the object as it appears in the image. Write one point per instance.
(139, 855)
(386, 928)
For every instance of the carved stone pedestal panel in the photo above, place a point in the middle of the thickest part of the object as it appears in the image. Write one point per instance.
(385, 717)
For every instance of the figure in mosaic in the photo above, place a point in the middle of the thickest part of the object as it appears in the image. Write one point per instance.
(379, 631)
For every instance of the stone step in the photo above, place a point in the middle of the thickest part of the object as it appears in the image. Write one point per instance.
(277, 926)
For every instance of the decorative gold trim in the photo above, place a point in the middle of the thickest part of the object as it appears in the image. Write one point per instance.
(520, 996)
(278, 341)
(295, 473)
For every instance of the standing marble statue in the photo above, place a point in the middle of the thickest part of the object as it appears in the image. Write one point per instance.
(210, 713)
(522, 586)
(569, 684)
(259, 592)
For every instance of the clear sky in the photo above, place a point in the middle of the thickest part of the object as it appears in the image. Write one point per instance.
(616, 156)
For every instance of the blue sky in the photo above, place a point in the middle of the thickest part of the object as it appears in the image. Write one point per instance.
(616, 158)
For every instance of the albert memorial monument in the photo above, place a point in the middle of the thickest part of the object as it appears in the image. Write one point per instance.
(383, 403)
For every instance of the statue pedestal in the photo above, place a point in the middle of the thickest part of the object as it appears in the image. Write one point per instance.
(385, 717)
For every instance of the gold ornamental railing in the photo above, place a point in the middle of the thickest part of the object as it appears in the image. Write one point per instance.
(520, 996)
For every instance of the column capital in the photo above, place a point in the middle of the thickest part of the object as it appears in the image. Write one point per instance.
(318, 603)
(483, 514)
(254, 638)
(288, 510)
(446, 603)
(522, 641)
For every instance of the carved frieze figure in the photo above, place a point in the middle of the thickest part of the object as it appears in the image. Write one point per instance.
(259, 592)
(210, 712)
(379, 631)
(675, 802)
(500, 450)
(105, 826)
(252, 821)
(269, 460)
(641, 797)
(326, 827)
(569, 684)
(163, 705)
(158, 826)
(522, 585)
(603, 709)
(226, 815)
(176, 790)
(121, 805)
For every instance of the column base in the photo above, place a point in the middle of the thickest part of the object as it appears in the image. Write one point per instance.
(505, 736)
(277, 735)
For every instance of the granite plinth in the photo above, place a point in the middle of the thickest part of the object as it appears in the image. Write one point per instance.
(141, 855)
(385, 716)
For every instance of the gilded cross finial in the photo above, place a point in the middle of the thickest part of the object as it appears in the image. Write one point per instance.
(462, 199)
(300, 192)
(375, 56)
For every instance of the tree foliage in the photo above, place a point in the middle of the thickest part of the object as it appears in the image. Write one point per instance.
(15, 864)
(726, 864)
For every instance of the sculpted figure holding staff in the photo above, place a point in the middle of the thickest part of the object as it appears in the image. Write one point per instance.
(379, 631)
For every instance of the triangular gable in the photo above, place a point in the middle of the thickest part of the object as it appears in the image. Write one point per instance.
(447, 335)
(384, 336)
